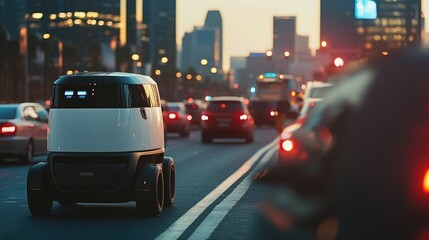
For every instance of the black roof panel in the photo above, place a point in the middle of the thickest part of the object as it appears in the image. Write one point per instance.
(104, 78)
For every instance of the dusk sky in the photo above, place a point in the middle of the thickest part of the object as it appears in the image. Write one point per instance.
(248, 24)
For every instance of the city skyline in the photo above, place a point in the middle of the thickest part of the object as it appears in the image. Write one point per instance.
(244, 18)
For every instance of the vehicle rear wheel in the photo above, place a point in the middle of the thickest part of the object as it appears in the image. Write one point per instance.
(249, 138)
(169, 173)
(206, 138)
(185, 133)
(38, 196)
(67, 203)
(28, 155)
(149, 190)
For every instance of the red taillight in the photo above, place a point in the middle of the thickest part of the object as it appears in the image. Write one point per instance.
(172, 116)
(273, 113)
(426, 182)
(244, 117)
(288, 145)
(204, 117)
(8, 129)
(189, 117)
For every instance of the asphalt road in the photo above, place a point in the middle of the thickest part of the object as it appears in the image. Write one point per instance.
(215, 198)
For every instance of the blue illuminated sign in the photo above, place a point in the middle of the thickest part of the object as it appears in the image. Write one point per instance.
(270, 75)
(365, 9)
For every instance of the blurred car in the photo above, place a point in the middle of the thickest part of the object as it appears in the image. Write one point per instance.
(23, 130)
(367, 170)
(194, 108)
(226, 117)
(291, 151)
(263, 112)
(176, 119)
(314, 93)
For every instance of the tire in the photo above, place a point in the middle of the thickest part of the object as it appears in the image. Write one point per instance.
(28, 155)
(149, 191)
(169, 173)
(249, 138)
(185, 133)
(206, 138)
(67, 203)
(38, 196)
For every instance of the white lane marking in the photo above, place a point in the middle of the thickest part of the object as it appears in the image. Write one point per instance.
(212, 221)
(175, 230)
(9, 201)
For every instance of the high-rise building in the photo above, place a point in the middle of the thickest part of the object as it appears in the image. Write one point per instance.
(398, 25)
(284, 35)
(186, 54)
(12, 15)
(302, 49)
(159, 39)
(214, 20)
(337, 24)
(204, 43)
(357, 28)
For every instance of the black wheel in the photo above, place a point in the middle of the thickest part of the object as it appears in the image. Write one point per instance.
(38, 196)
(67, 203)
(206, 138)
(149, 190)
(169, 173)
(185, 133)
(28, 155)
(249, 138)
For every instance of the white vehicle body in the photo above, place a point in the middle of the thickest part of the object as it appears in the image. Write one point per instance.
(105, 130)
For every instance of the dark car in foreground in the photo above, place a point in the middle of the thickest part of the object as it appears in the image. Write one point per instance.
(263, 112)
(367, 174)
(23, 130)
(226, 117)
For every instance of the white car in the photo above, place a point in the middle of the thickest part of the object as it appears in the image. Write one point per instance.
(315, 91)
(23, 130)
(105, 144)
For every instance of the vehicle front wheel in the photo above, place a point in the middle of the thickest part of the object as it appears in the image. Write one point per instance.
(38, 196)
(149, 190)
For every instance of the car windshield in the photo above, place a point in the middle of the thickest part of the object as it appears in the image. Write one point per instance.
(225, 106)
(173, 108)
(7, 112)
(319, 92)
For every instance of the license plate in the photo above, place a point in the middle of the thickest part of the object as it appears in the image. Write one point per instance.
(223, 125)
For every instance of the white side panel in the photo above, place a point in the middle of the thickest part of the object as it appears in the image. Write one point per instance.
(105, 130)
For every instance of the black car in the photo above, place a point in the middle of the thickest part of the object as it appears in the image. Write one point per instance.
(263, 112)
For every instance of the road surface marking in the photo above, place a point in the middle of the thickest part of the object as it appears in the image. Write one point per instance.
(212, 221)
(175, 230)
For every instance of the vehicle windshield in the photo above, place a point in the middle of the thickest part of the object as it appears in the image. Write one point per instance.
(7, 112)
(318, 92)
(225, 106)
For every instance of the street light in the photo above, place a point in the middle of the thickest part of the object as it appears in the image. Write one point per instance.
(135, 57)
(287, 54)
(213, 70)
(204, 62)
(164, 60)
(157, 72)
(178, 74)
(269, 54)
